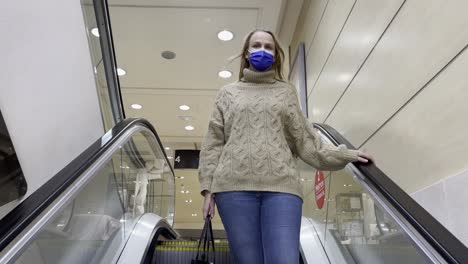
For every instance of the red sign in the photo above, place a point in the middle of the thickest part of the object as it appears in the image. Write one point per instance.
(319, 189)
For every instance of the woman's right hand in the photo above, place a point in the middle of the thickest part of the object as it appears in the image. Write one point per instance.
(208, 205)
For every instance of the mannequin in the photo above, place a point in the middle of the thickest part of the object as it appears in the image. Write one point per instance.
(153, 170)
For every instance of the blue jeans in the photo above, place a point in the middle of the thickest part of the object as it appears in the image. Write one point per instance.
(262, 227)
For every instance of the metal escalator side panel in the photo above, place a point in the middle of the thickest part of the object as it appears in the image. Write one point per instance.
(311, 248)
(140, 244)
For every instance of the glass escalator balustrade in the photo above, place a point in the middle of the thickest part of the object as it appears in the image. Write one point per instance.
(351, 226)
(95, 225)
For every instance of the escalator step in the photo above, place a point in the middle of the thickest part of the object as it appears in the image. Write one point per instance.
(175, 252)
(190, 243)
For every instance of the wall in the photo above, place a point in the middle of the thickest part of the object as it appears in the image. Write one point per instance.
(391, 76)
(47, 90)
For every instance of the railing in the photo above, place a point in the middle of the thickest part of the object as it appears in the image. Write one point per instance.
(86, 212)
(367, 218)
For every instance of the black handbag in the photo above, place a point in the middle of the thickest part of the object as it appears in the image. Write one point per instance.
(207, 237)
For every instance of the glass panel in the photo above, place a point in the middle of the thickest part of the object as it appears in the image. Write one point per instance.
(95, 225)
(12, 182)
(352, 227)
(98, 66)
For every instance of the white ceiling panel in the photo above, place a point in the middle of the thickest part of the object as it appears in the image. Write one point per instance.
(189, 32)
(162, 110)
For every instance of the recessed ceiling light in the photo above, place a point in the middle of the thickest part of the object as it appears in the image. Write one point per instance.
(167, 148)
(95, 32)
(168, 55)
(225, 35)
(189, 128)
(169, 157)
(184, 107)
(137, 106)
(121, 72)
(224, 74)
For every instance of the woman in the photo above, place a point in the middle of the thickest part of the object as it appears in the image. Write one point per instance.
(248, 157)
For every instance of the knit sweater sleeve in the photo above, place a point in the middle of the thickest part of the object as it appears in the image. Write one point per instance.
(212, 145)
(305, 141)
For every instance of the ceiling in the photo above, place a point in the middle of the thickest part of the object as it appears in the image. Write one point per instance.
(143, 29)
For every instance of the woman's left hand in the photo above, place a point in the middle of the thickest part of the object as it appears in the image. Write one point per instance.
(365, 157)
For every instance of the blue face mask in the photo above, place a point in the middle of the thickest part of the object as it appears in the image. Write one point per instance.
(261, 60)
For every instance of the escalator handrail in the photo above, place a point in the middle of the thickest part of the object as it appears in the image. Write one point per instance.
(22, 215)
(441, 239)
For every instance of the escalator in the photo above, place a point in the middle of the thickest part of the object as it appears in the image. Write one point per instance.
(115, 204)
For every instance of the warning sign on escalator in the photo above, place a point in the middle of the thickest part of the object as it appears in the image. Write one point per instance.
(319, 189)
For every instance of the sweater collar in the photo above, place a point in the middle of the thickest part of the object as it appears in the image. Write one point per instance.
(258, 77)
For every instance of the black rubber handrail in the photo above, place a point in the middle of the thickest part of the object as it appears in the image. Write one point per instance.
(23, 214)
(441, 239)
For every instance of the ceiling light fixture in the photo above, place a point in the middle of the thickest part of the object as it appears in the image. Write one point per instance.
(168, 55)
(184, 107)
(121, 72)
(137, 106)
(225, 35)
(225, 74)
(95, 32)
(167, 148)
(189, 128)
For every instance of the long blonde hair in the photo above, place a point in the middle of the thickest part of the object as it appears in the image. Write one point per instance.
(279, 55)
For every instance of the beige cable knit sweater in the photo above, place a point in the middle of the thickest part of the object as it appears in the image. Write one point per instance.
(255, 134)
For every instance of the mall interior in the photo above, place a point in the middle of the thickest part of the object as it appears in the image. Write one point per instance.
(104, 105)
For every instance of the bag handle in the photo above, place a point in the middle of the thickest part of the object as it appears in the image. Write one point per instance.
(212, 241)
(202, 237)
(207, 236)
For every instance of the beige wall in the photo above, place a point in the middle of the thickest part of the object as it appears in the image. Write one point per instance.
(47, 90)
(391, 76)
